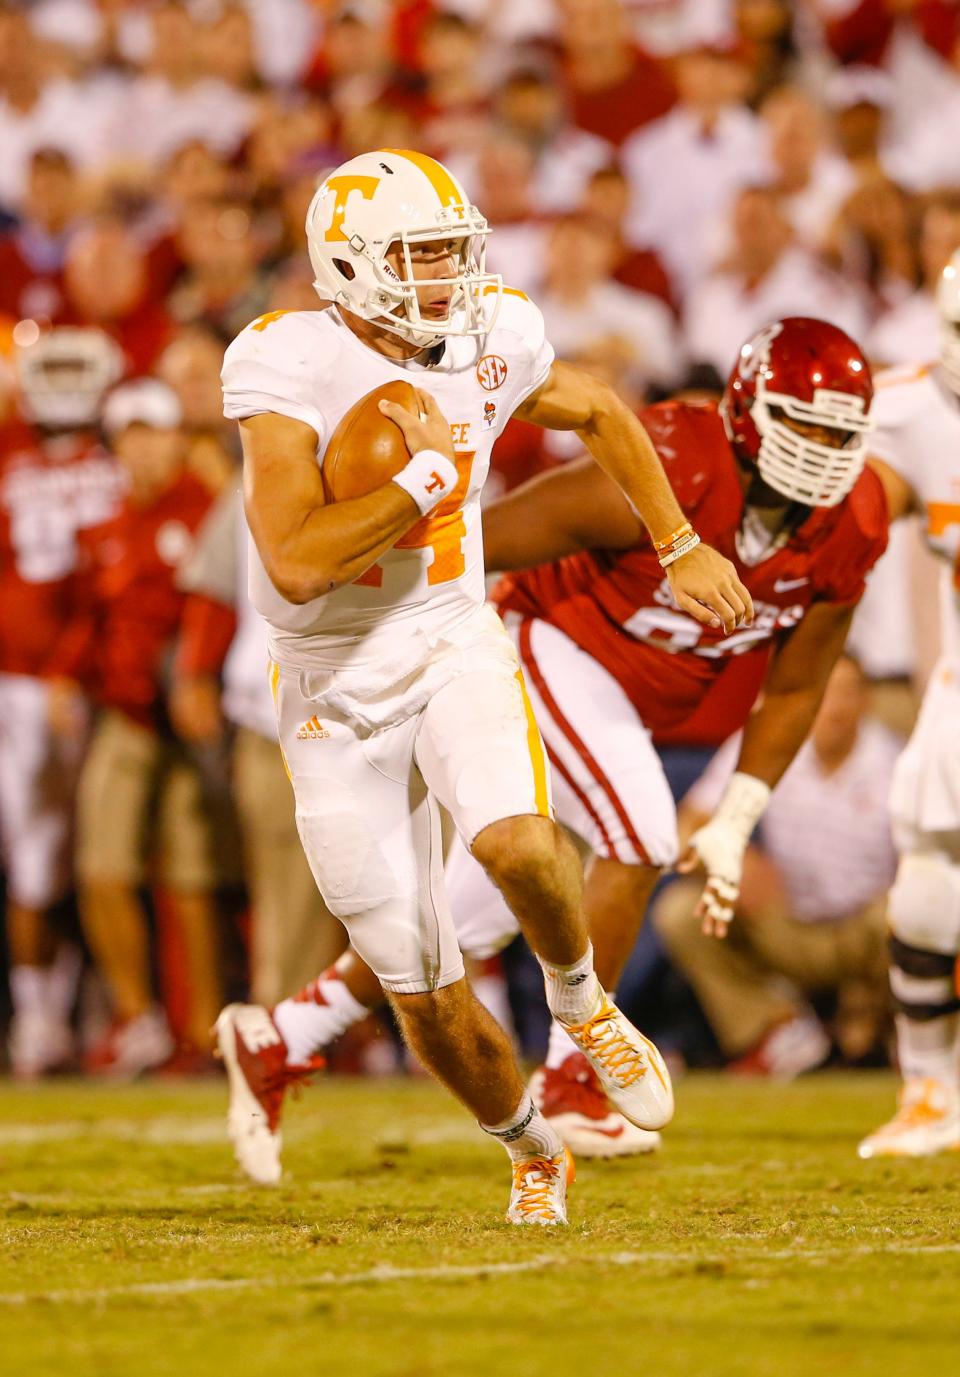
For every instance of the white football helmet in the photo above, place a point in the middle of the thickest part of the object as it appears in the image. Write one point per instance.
(64, 375)
(398, 196)
(948, 304)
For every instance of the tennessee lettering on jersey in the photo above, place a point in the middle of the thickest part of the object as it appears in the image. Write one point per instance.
(51, 489)
(309, 365)
(618, 607)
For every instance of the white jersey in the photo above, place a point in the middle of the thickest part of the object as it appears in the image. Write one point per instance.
(310, 366)
(918, 435)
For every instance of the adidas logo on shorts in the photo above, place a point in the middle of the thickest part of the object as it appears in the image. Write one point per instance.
(314, 730)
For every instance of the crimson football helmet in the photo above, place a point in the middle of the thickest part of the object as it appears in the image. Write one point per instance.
(811, 374)
(64, 374)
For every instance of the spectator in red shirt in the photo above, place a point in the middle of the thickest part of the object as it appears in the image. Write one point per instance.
(613, 86)
(193, 174)
(107, 283)
(607, 199)
(140, 809)
(31, 256)
(224, 285)
(191, 364)
(351, 69)
(452, 106)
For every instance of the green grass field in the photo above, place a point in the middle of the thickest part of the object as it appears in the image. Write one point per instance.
(755, 1244)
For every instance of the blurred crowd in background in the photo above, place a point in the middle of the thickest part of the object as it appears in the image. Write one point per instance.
(664, 177)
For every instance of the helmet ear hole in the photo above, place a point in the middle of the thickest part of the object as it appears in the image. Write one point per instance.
(345, 269)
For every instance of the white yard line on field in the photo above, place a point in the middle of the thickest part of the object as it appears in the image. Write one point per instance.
(167, 1129)
(180, 1130)
(378, 1275)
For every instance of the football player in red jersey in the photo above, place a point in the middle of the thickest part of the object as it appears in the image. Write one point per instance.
(56, 479)
(773, 477)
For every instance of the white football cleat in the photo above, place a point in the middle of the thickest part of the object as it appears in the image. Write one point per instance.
(38, 1045)
(926, 1122)
(570, 1097)
(789, 1050)
(630, 1069)
(133, 1048)
(539, 1192)
(255, 1056)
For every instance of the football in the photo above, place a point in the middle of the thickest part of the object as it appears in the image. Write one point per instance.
(366, 449)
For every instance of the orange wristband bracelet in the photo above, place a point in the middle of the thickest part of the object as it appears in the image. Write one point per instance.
(679, 534)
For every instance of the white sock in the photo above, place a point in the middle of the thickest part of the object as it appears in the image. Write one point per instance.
(526, 1133)
(561, 1045)
(928, 1049)
(573, 992)
(63, 980)
(28, 989)
(319, 1013)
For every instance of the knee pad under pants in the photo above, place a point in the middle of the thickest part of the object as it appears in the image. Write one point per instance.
(924, 913)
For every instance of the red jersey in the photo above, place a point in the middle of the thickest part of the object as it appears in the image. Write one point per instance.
(691, 682)
(51, 489)
(31, 283)
(128, 605)
(615, 112)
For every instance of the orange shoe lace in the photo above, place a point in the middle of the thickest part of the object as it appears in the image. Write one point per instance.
(535, 1200)
(916, 1108)
(601, 1039)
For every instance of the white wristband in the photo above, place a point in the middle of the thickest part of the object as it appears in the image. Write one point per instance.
(742, 804)
(428, 478)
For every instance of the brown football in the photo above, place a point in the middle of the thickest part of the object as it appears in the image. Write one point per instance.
(366, 449)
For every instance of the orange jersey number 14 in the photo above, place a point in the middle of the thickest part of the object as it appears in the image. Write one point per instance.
(443, 531)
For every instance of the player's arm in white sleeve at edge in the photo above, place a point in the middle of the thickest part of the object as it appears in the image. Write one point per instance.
(704, 583)
(309, 547)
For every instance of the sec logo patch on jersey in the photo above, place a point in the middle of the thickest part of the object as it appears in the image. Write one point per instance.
(491, 372)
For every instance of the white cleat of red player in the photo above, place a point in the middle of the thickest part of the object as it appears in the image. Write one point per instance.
(255, 1056)
(571, 1099)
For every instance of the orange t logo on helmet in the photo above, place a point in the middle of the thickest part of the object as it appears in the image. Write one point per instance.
(341, 188)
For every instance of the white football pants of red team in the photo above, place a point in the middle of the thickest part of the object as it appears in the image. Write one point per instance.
(38, 783)
(609, 787)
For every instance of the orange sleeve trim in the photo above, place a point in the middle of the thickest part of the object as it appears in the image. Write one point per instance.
(915, 376)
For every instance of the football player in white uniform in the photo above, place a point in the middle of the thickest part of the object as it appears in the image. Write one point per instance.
(917, 454)
(397, 688)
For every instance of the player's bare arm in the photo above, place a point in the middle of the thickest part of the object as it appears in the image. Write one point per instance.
(704, 584)
(576, 507)
(792, 693)
(310, 547)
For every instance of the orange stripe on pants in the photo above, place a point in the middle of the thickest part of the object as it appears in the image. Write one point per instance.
(541, 793)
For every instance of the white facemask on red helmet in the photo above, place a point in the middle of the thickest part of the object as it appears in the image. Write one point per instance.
(400, 197)
(810, 373)
(64, 375)
(948, 304)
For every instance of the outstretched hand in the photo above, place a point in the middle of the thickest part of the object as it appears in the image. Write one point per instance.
(717, 849)
(428, 429)
(706, 586)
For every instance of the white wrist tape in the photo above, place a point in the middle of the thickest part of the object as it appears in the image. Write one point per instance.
(428, 478)
(742, 804)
